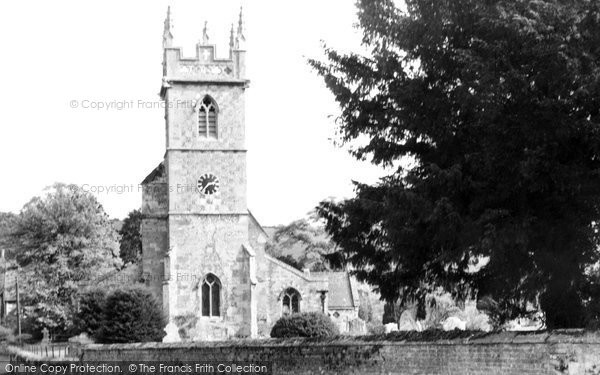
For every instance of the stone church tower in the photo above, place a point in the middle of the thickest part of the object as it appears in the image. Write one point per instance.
(203, 252)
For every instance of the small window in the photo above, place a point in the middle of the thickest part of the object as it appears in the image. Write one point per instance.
(291, 302)
(207, 118)
(211, 296)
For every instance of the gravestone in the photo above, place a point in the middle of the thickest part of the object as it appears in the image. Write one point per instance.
(45, 336)
(390, 327)
(82, 339)
(453, 323)
(357, 327)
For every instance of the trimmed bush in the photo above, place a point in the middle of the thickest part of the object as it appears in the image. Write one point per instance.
(132, 315)
(90, 314)
(304, 325)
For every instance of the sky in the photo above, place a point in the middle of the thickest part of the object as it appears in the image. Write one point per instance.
(58, 55)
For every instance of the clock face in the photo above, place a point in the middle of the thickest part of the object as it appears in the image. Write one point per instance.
(208, 184)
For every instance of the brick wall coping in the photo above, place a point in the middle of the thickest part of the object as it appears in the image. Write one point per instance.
(478, 338)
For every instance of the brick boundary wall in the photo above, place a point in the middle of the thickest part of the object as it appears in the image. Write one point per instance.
(557, 352)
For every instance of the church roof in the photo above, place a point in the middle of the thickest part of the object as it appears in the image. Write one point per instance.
(309, 276)
(157, 172)
(342, 291)
(255, 222)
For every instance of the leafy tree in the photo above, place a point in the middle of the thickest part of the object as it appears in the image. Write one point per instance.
(308, 243)
(131, 238)
(487, 115)
(65, 241)
(7, 224)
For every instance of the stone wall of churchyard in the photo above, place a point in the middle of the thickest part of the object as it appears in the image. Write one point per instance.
(559, 352)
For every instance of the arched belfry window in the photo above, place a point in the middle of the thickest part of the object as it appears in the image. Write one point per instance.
(207, 118)
(211, 296)
(290, 302)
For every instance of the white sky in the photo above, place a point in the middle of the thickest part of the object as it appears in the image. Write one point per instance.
(58, 51)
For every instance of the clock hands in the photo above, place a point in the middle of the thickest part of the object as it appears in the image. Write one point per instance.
(212, 185)
(208, 184)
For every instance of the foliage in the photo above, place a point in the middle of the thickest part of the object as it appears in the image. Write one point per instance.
(486, 115)
(132, 315)
(424, 336)
(304, 325)
(65, 240)
(391, 313)
(308, 243)
(5, 334)
(28, 323)
(90, 312)
(375, 328)
(131, 238)
(24, 338)
(7, 227)
(592, 319)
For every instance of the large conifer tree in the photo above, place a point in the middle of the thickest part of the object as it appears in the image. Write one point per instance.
(497, 105)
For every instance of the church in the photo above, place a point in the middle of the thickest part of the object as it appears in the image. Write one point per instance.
(203, 250)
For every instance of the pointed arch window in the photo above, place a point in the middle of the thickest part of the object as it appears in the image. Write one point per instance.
(207, 118)
(211, 296)
(290, 303)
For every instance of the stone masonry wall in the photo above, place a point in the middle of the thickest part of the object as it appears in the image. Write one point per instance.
(342, 318)
(210, 244)
(154, 231)
(154, 242)
(185, 168)
(182, 131)
(495, 354)
(274, 278)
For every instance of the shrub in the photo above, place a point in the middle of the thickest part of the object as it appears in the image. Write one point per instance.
(132, 315)
(90, 314)
(29, 324)
(5, 334)
(375, 329)
(304, 325)
(24, 338)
